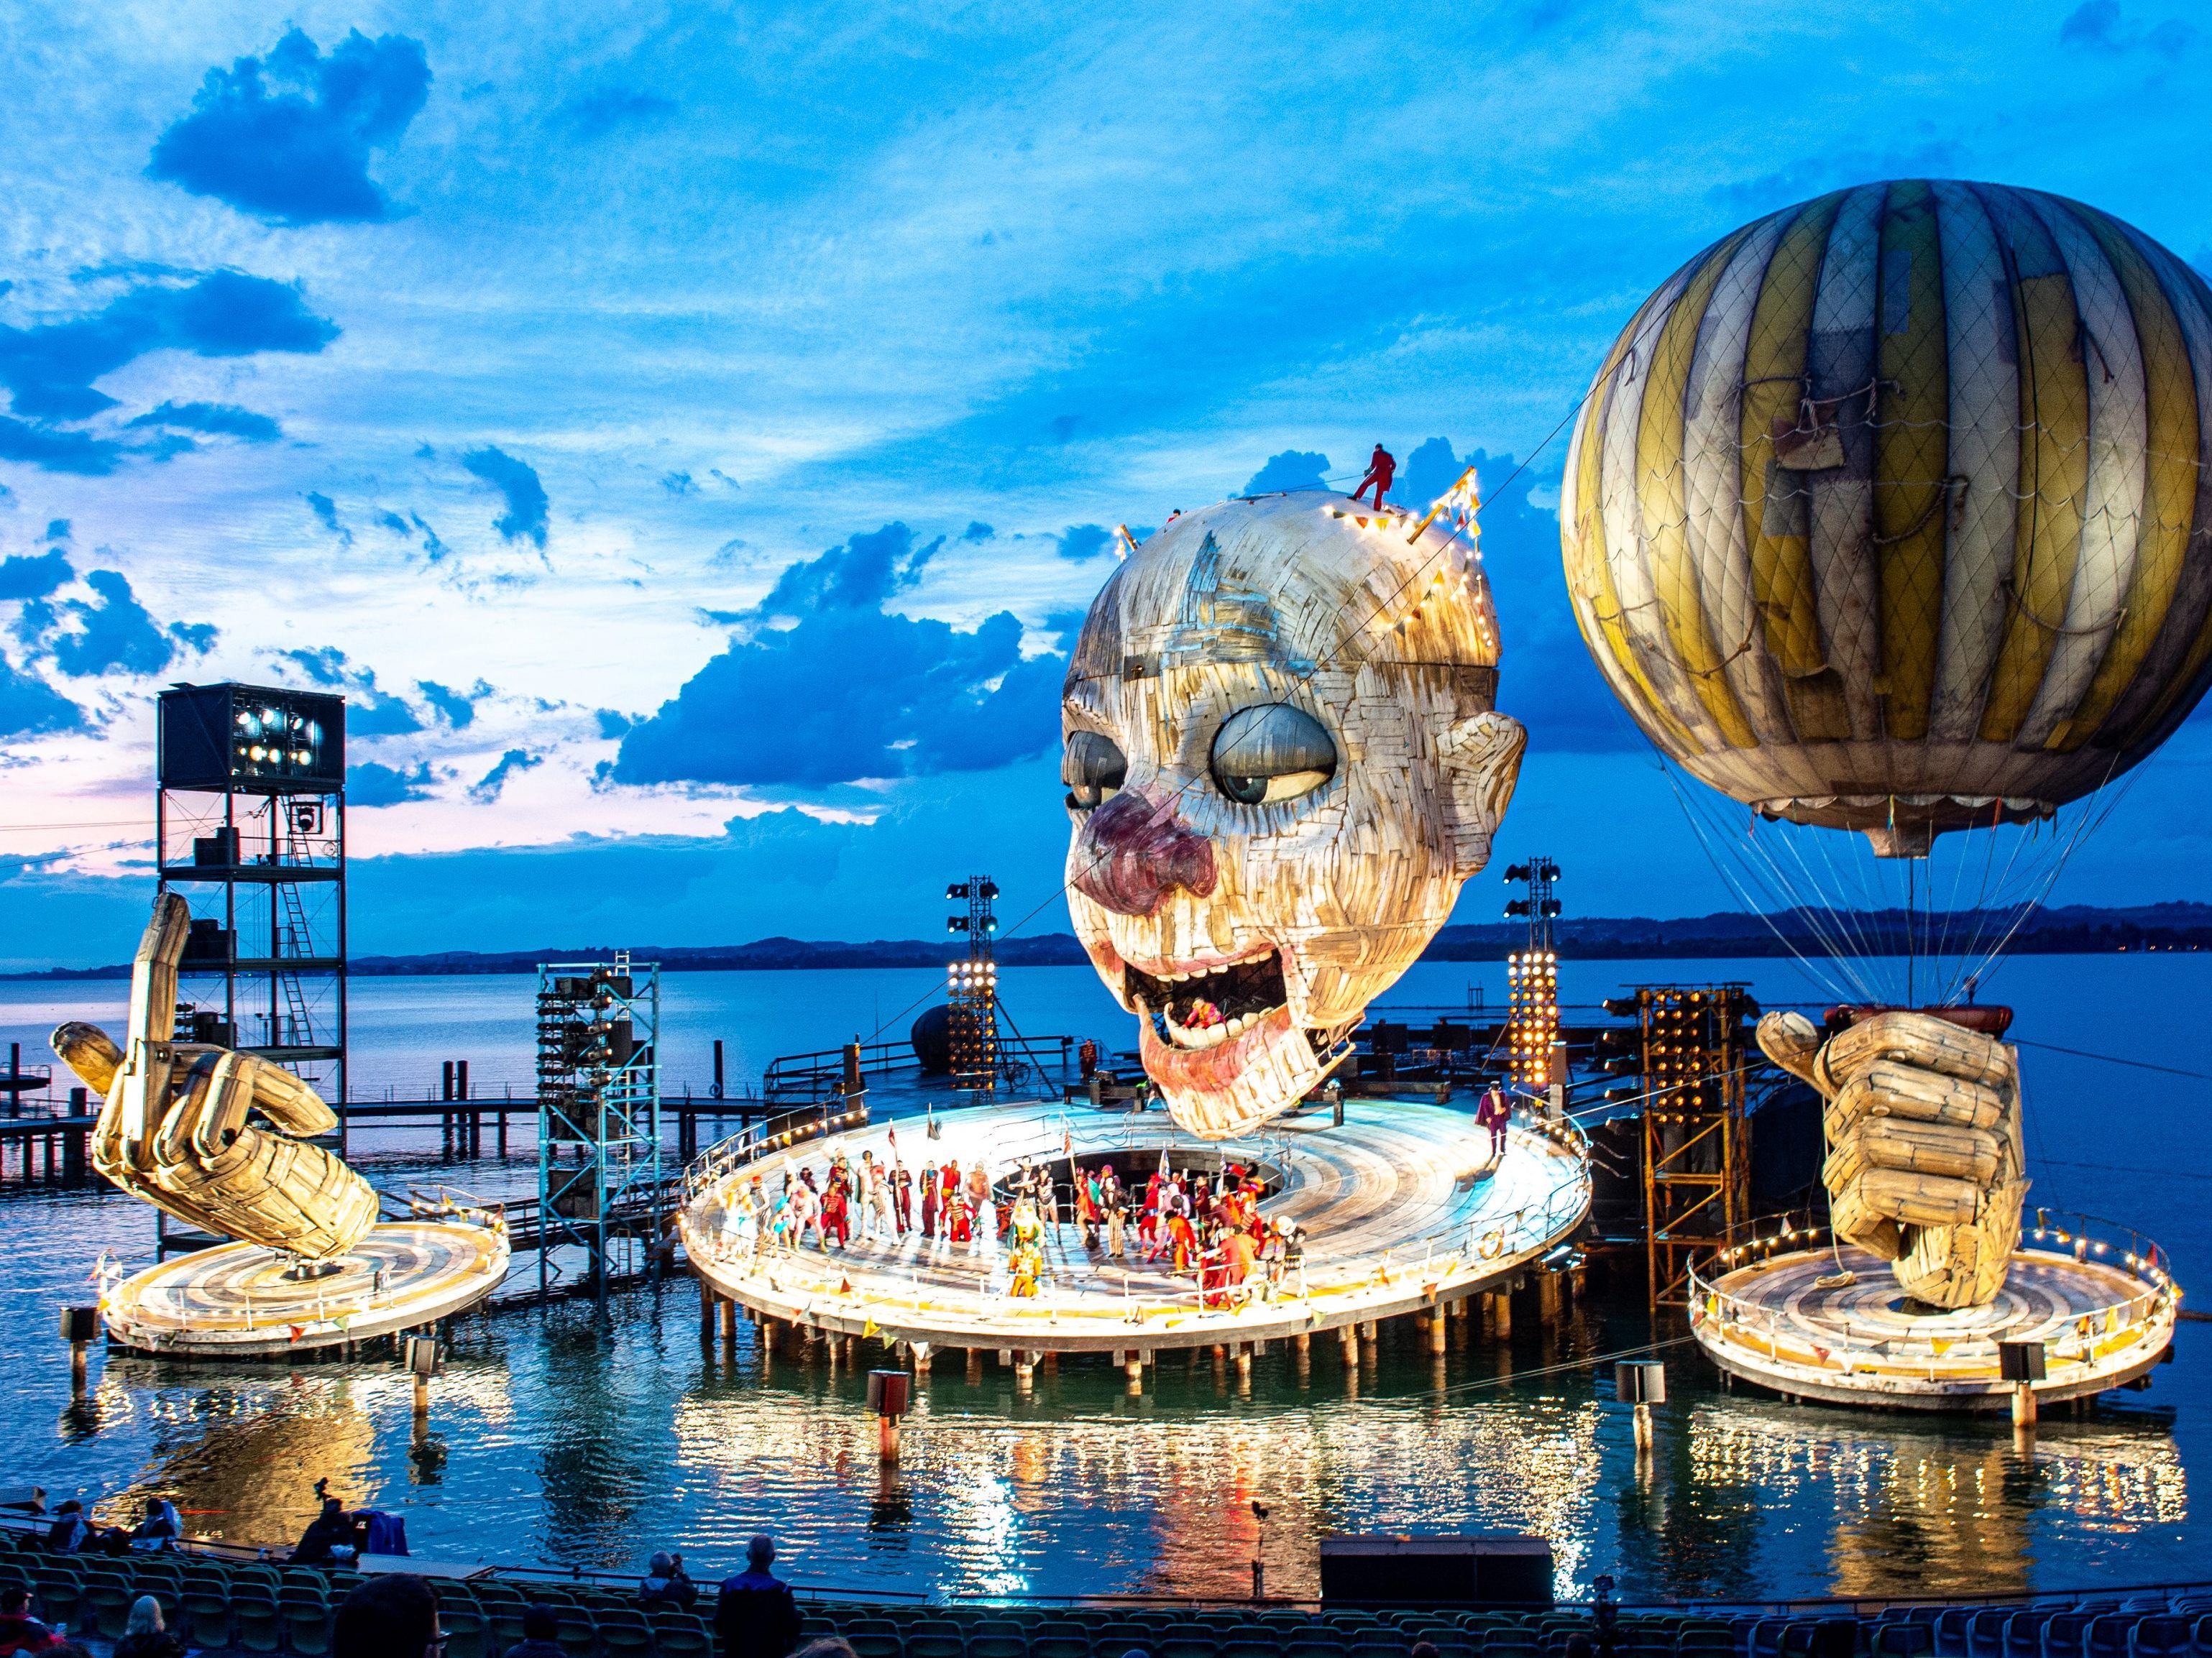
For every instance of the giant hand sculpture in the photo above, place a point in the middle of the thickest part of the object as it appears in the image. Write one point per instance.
(1282, 758)
(173, 1130)
(1924, 1157)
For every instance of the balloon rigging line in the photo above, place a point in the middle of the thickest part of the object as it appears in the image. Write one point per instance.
(1704, 845)
(2099, 809)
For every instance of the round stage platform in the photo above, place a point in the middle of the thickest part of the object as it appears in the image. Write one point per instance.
(2102, 1307)
(1401, 1206)
(236, 1300)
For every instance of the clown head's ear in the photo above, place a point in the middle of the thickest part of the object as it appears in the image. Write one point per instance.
(1482, 757)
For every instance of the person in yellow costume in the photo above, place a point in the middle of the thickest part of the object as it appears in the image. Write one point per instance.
(1026, 1253)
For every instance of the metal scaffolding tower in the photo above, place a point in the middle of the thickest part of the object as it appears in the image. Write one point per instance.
(973, 1004)
(249, 825)
(599, 1098)
(1697, 1155)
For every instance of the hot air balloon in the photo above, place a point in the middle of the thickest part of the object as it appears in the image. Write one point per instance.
(1890, 511)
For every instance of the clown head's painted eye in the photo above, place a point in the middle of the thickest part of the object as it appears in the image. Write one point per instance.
(1270, 753)
(1093, 766)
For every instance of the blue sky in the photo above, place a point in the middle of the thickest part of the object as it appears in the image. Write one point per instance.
(688, 436)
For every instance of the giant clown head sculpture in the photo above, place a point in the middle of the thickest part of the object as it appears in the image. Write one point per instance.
(1282, 758)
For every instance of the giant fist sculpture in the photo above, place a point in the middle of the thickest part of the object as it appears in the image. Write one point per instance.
(1283, 759)
(1925, 1158)
(174, 1128)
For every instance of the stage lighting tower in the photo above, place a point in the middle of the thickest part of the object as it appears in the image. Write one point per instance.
(1532, 982)
(973, 987)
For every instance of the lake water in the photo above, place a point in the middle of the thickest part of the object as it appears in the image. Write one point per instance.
(561, 1438)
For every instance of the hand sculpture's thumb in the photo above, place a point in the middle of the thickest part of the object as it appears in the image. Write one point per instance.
(1790, 1040)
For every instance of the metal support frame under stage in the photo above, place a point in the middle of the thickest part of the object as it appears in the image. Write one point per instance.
(598, 1092)
(249, 825)
(1695, 1049)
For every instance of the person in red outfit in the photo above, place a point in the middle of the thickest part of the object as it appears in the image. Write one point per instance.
(1381, 467)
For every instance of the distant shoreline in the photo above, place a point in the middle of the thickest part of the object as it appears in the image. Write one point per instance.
(2072, 930)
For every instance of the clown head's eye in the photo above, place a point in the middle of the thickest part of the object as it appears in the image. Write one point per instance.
(1092, 767)
(1271, 753)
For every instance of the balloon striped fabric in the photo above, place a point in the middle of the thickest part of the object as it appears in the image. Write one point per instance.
(1890, 511)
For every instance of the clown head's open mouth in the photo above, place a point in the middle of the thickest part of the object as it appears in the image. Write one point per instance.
(1201, 1005)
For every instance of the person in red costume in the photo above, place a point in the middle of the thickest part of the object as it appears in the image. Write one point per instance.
(1381, 467)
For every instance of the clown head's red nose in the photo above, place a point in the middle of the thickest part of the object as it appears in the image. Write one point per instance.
(1134, 851)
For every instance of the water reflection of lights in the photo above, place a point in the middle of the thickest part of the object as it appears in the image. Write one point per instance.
(1164, 1498)
(2089, 1478)
(240, 1455)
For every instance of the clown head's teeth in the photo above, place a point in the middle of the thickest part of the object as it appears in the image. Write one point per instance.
(1203, 1007)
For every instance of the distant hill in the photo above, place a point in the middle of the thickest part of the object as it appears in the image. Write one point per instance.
(2068, 930)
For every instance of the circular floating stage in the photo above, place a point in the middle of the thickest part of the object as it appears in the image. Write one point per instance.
(1402, 1206)
(2104, 1314)
(240, 1301)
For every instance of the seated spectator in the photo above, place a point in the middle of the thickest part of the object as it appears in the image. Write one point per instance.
(145, 1636)
(19, 1630)
(827, 1646)
(71, 1530)
(666, 1585)
(161, 1526)
(1424, 1649)
(390, 1617)
(754, 1616)
(1578, 1646)
(540, 1634)
(330, 1532)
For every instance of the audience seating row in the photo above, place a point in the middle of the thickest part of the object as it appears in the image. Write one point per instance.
(232, 1605)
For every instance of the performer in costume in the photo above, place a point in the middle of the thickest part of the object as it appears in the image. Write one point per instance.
(984, 1214)
(929, 1202)
(902, 1197)
(1025, 1250)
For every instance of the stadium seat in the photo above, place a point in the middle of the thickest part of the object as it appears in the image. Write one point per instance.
(623, 1633)
(579, 1632)
(1901, 1637)
(107, 1600)
(2107, 1635)
(1951, 1631)
(207, 1612)
(60, 1594)
(939, 1642)
(2159, 1636)
(306, 1625)
(683, 1635)
(870, 1645)
(997, 1646)
(468, 1631)
(256, 1624)
(2023, 1632)
(2064, 1635)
